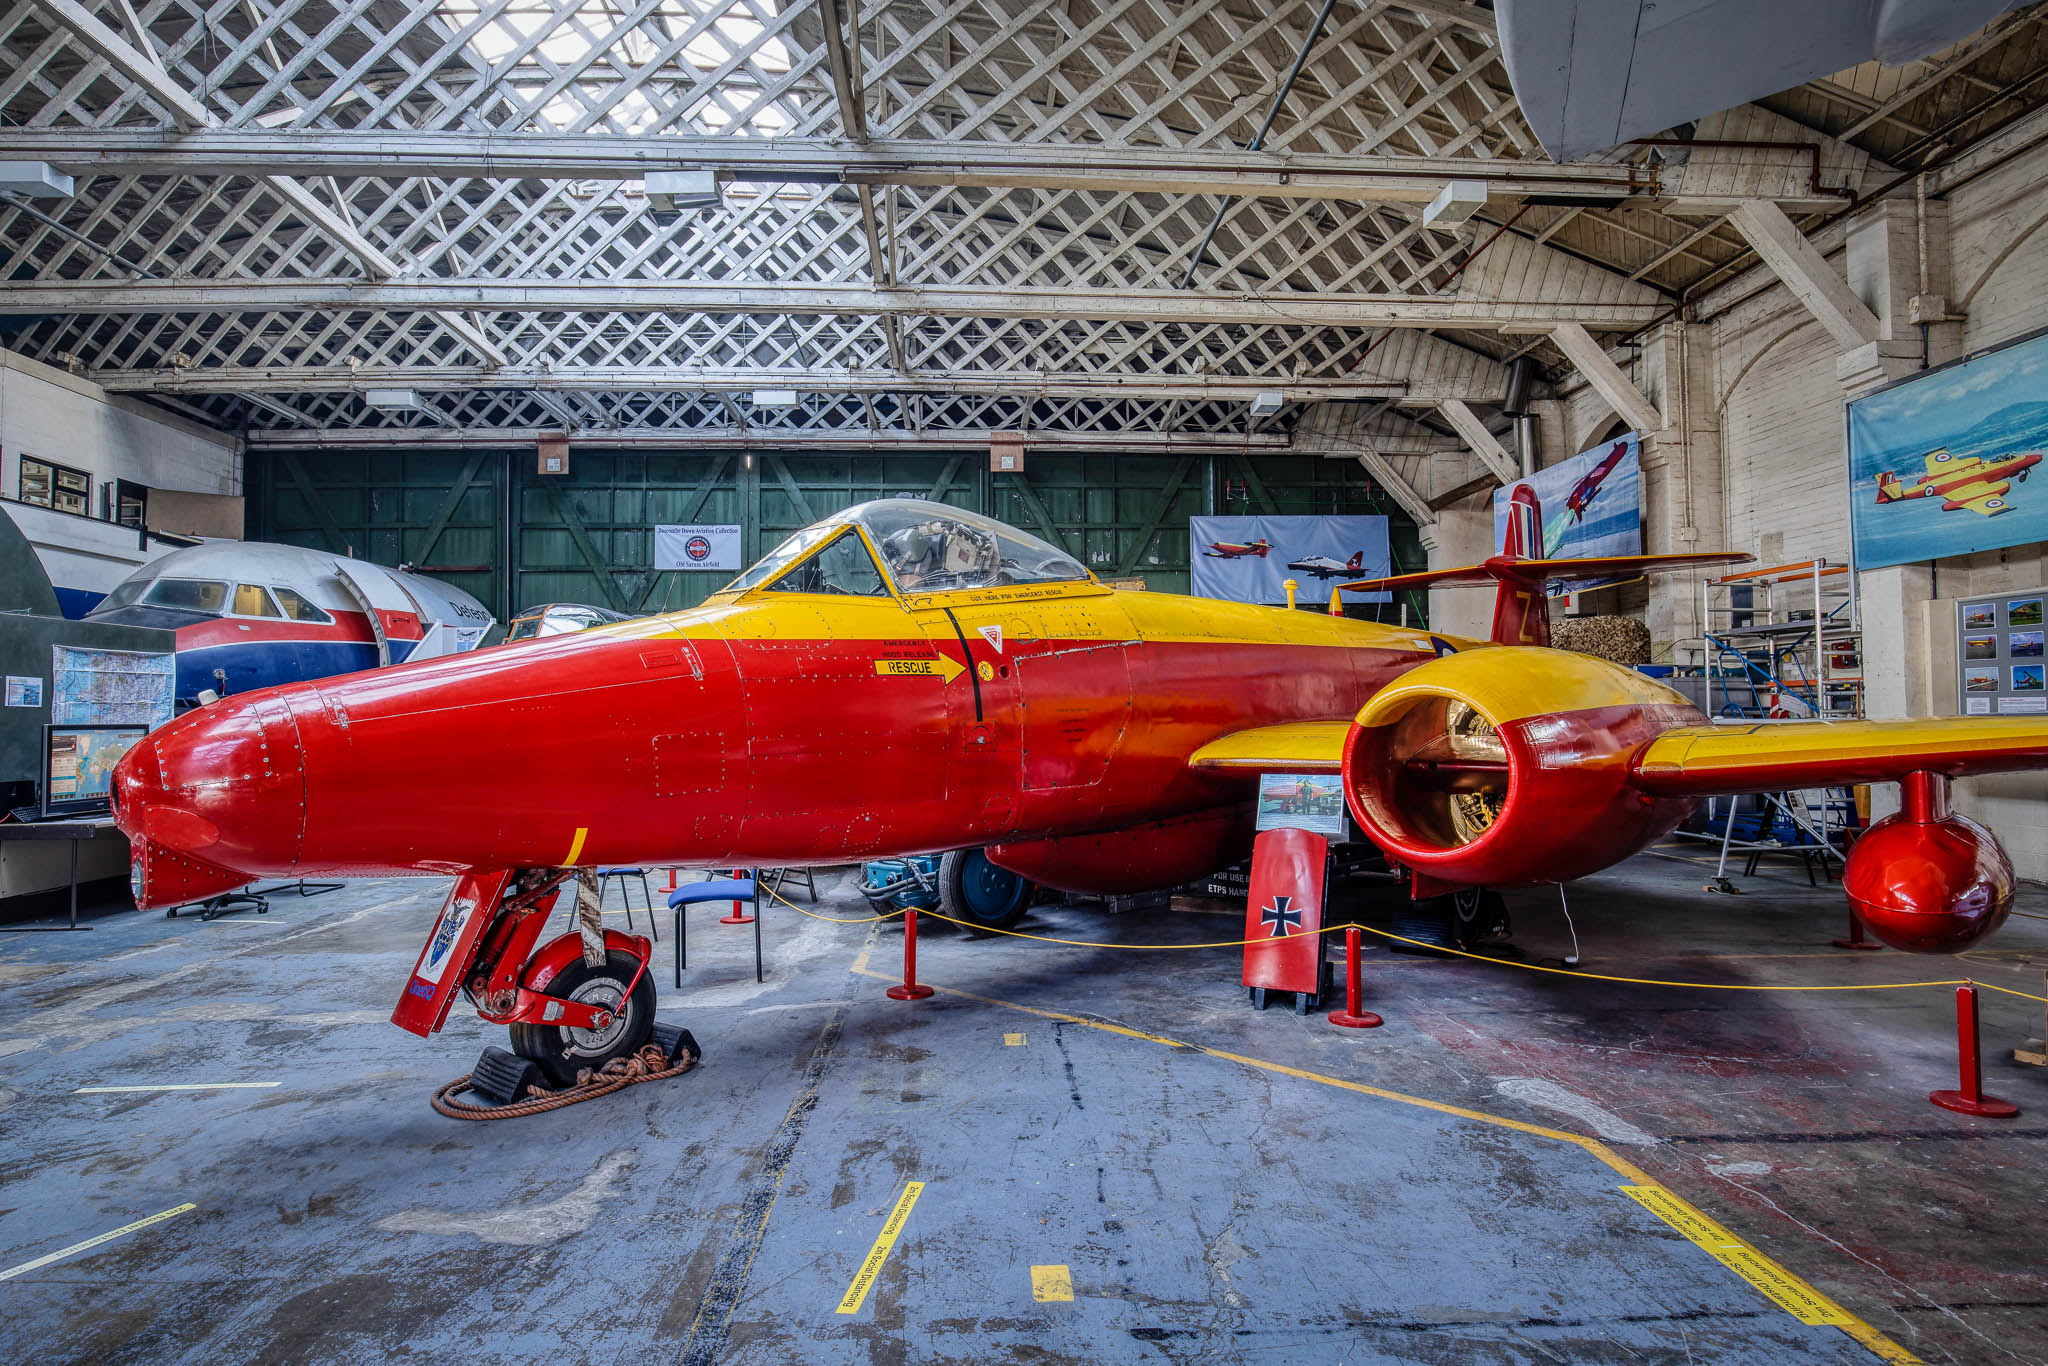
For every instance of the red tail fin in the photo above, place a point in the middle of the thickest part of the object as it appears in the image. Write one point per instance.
(1521, 612)
(1356, 562)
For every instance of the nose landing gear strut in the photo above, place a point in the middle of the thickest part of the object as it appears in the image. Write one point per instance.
(573, 1005)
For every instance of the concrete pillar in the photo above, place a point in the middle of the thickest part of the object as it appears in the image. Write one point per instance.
(1463, 534)
(1683, 477)
(1900, 651)
(1897, 658)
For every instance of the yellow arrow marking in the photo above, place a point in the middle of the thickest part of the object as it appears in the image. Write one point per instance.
(940, 667)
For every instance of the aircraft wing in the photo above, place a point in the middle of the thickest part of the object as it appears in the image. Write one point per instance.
(1702, 761)
(1987, 502)
(1942, 463)
(1291, 747)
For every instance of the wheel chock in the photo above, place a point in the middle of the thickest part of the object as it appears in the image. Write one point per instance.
(674, 1041)
(502, 1077)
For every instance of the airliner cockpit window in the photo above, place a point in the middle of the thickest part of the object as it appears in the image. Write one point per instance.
(193, 595)
(932, 548)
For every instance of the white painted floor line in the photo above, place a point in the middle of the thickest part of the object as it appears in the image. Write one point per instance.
(76, 1248)
(181, 1086)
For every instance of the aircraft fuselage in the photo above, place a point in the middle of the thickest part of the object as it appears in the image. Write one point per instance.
(770, 729)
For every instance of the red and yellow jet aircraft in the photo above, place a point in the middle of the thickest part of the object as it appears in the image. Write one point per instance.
(1966, 482)
(904, 677)
(1236, 550)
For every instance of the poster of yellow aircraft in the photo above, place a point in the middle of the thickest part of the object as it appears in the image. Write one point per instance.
(1960, 482)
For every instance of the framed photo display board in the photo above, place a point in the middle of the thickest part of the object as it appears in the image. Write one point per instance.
(1999, 654)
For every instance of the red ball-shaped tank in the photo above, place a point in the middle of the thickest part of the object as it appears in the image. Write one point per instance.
(1929, 886)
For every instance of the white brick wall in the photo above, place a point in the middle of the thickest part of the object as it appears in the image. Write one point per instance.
(45, 412)
(1785, 465)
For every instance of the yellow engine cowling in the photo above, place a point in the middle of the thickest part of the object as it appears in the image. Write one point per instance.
(1502, 768)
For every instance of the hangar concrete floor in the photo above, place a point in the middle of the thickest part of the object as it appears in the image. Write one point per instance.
(1215, 1184)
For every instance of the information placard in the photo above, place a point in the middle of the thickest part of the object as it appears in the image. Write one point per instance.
(2000, 659)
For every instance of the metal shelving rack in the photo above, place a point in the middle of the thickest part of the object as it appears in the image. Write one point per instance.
(1783, 643)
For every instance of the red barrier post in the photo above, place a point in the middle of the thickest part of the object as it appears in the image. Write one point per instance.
(911, 989)
(1969, 1098)
(1856, 939)
(1351, 1017)
(739, 914)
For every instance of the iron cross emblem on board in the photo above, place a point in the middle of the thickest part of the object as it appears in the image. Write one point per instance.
(1281, 918)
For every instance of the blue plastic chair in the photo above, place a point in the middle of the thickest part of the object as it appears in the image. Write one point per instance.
(604, 877)
(717, 889)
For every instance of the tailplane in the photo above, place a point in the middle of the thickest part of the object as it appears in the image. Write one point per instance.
(1521, 614)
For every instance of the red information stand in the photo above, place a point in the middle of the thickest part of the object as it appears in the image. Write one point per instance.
(1286, 910)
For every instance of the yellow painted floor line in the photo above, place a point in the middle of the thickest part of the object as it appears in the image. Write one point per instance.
(864, 1279)
(1052, 1284)
(180, 1086)
(1795, 1297)
(1013, 1040)
(1668, 1200)
(76, 1248)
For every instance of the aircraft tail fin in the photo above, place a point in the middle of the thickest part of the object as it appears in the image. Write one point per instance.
(1521, 609)
(1889, 489)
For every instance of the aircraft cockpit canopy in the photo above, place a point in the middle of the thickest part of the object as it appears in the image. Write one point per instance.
(925, 548)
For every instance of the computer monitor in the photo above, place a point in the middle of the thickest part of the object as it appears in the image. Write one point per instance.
(78, 766)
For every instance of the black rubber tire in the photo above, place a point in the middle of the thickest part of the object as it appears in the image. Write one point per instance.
(558, 1052)
(1478, 915)
(974, 890)
(1456, 920)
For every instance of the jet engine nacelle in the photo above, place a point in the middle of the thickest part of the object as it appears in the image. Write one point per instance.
(1498, 768)
(1925, 879)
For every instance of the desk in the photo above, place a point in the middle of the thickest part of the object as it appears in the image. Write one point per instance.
(74, 831)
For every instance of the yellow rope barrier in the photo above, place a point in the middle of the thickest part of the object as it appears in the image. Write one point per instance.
(1425, 944)
(834, 919)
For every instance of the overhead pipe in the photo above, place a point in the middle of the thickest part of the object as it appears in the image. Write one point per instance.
(1811, 149)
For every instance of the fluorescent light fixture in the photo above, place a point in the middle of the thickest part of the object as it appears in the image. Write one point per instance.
(1457, 202)
(393, 400)
(676, 191)
(775, 398)
(1267, 402)
(34, 180)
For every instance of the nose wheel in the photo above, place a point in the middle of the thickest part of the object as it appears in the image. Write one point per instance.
(561, 1051)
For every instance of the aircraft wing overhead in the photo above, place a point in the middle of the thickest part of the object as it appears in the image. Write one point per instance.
(1292, 747)
(1702, 761)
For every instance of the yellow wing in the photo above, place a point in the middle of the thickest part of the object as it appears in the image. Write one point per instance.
(1292, 747)
(1941, 462)
(1701, 761)
(1990, 502)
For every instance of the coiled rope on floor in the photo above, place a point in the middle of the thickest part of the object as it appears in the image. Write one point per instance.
(1461, 953)
(649, 1064)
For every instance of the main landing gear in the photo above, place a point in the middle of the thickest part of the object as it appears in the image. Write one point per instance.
(573, 1004)
(973, 889)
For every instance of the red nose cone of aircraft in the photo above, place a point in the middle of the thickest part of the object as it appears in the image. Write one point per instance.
(1929, 886)
(212, 801)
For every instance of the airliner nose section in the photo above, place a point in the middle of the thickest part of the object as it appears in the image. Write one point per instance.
(213, 800)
